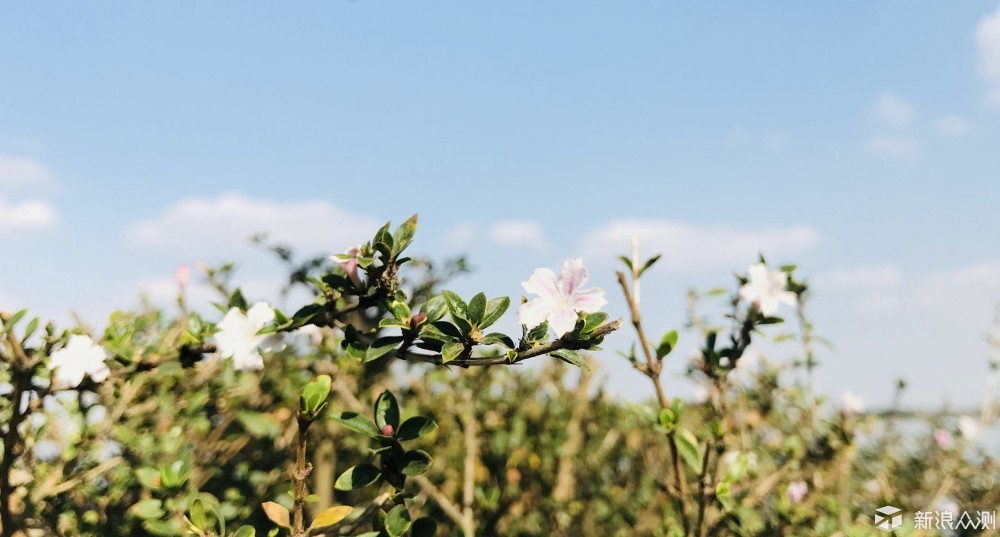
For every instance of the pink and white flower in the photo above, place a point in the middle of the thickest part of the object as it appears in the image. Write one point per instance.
(559, 299)
(238, 337)
(796, 491)
(349, 262)
(767, 289)
(80, 357)
(943, 439)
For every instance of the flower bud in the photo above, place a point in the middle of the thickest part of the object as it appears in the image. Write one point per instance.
(387, 430)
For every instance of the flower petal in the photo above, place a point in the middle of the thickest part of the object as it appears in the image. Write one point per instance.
(758, 272)
(248, 361)
(271, 343)
(562, 321)
(542, 283)
(533, 313)
(574, 275)
(259, 315)
(590, 300)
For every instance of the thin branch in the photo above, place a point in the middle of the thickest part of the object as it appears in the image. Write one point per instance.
(302, 469)
(434, 493)
(469, 426)
(559, 344)
(652, 371)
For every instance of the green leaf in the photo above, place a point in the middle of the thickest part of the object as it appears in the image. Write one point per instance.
(441, 331)
(166, 528)
(571, 357)
(667, 344)
(382, 346)
(400, 310)
(236, 300)
(687, 444)
(451, 350)
(593, 321)
(456, 306)
(150, 508)
(494, 310)
(496, 338)
(30, 329)
(416, 427)
(416, 462)
(477, 308)
(315, 393)
(649, 263)
(386, 411)
(245, 531)
(627, 261)
(423, 527)
(723, 493)
(538, 333)
(14, 319)
(397, 522)
(403, 235)
(357, 477)
(737, 468)
(667, 419)
(357, 423)
(258, 424)
(435, 308)
(149, 477)
(205, 514)
(175, 474)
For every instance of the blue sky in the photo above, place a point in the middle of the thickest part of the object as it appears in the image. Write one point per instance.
(858, 139)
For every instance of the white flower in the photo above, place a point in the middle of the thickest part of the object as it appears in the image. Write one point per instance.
(560, 299)
(80, 357)
(853, 404)
(969, 427)
(796, 491)
(238, 337)
(767, 289)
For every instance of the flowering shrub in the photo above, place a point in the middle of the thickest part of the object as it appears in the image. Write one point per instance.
(253, 421)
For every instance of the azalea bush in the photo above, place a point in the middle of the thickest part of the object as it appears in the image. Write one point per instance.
(390, 406)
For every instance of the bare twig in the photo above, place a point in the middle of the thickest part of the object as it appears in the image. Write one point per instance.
(469, 426)
(652, 370)
(302, 469)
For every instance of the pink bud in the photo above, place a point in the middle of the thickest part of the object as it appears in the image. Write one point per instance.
(943, 439)
(182, 275)
(387, 430)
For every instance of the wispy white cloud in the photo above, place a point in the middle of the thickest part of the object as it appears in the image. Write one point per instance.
(896, 147)
(894, 111)
(26, 215)
(687, 246)
(519, 233)
(861, 277)
(19, 171)
(205, 225)
(462, 235)
(988, 43)
(951, 125)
